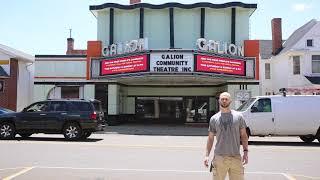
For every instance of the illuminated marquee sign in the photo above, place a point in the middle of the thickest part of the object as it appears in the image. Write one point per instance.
(124, 65)
(222, 65)
(171, 62)
(219, 47)
(126, 47)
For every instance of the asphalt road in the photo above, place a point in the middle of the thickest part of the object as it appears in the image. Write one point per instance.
(142, 157)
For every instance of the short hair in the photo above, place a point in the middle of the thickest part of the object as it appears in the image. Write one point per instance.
(225, 94)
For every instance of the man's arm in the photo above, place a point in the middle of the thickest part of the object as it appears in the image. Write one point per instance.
(208, 148)
(244, 140)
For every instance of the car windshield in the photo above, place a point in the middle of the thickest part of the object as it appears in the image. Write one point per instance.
(246, 104)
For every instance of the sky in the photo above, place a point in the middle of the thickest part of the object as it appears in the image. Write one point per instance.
(41, 27)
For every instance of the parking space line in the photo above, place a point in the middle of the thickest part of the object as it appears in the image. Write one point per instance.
(115, 145)
(265, 173)
(124, 169)
(18, 173)
(288, 176)
(307, 177)
(26, 169)
(5, 169)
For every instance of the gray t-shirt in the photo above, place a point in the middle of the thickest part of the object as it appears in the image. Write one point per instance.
(226, 127)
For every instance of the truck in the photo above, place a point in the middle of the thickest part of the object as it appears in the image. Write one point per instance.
(282, 115)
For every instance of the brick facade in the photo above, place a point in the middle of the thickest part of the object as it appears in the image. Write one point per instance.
(276, 35)
(8, 98)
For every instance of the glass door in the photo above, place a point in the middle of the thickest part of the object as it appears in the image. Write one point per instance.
(196, 109)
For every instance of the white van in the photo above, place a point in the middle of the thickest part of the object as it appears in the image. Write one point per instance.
(283, 116)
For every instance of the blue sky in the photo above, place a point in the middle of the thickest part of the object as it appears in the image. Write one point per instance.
(42, 26)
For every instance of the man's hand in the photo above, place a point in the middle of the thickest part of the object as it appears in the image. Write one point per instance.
(245, 158)
(208, 148)
(206, 161)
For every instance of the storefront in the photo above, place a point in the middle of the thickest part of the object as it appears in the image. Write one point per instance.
(168, 63)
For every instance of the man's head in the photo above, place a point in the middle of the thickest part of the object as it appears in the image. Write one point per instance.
(225, 100)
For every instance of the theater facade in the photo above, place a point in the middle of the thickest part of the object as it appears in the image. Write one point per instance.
(169, 62)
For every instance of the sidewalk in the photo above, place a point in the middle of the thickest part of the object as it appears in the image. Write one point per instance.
(156, 130)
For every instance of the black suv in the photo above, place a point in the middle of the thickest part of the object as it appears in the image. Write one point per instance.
(75, 119)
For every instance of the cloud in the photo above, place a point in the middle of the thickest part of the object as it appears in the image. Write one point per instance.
(300, 7)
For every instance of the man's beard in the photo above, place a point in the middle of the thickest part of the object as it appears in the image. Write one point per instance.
(226, 105)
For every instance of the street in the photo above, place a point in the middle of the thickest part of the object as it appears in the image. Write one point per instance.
(115, 155)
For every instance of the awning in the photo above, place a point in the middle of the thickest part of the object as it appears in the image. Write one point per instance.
(313, 79)
(3, 73)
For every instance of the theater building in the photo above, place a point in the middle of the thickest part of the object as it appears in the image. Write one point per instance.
(162, 63)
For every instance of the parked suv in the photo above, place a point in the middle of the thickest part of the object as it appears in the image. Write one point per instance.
(75, 119)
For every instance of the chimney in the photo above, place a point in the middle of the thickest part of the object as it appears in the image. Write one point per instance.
(135, 1)
(276, 35)
(70, 45)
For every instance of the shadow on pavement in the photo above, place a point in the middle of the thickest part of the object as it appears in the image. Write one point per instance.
(156, 130)
(56, 139)
(280, 143)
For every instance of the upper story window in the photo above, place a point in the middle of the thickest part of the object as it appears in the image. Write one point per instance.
(267, 71)
(296, 64)
(315, 63)
(309, 42)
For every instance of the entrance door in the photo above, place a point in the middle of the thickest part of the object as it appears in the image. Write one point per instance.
(160, 109)
(197, 109)
(170, 109)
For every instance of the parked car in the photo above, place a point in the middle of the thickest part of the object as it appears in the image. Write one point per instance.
(283, 116)
(4, 110)
(75, 119)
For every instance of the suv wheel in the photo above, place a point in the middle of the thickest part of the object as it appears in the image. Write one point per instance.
(72, 131)
(7, 131)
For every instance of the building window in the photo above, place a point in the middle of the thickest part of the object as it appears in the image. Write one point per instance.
(309, 42)
(296, 64)
(70, 92)
(267, 70)
(315, 63)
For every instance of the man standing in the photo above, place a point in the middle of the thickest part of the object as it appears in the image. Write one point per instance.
(229, 127)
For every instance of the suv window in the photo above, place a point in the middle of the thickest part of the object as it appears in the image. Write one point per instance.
(58, 106)
(81, 106)
(38, 107)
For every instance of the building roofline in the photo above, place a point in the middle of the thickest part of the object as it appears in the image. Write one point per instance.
(60, 56)
(14, 53)
(172, 5)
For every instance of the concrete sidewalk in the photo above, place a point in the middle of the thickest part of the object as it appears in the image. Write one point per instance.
(156, 129)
